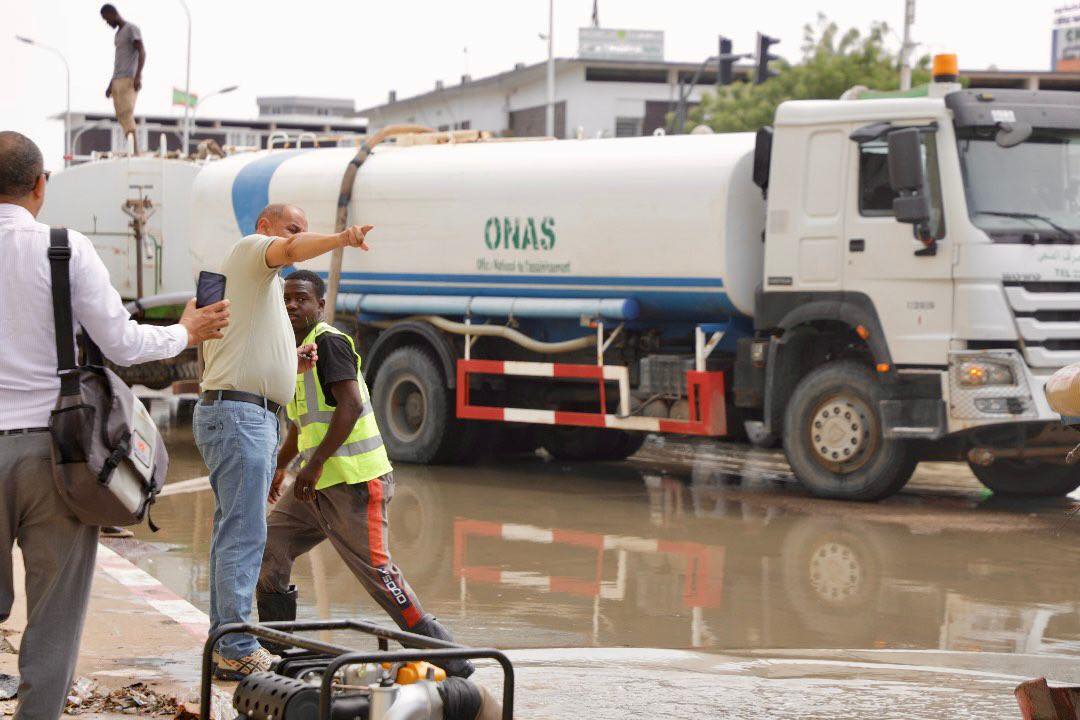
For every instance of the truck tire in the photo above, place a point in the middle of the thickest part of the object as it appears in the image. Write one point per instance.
(413, 406)
(1011, 477)
(833, 436)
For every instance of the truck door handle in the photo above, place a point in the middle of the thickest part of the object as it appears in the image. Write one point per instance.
(856, 245)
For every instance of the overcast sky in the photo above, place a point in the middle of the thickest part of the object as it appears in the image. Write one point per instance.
(360, 49)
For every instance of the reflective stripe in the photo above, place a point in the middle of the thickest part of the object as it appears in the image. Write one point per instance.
(314, 415)
(360, 447)
(350, 449)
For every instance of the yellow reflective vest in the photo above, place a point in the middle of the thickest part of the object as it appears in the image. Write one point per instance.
(362, 456)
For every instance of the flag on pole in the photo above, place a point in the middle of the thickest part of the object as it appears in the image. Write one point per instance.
(596, 13)
(179, 97)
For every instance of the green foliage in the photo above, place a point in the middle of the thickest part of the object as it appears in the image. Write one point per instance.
(832, 63)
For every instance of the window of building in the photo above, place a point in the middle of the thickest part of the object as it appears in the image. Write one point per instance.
(618, 74)
(443, 128)
(628, 126)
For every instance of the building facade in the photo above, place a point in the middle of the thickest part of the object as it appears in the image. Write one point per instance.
(593, 98)
(286, 120)
(601, 98)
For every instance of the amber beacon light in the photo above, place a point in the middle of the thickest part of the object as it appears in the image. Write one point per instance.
(946, 68)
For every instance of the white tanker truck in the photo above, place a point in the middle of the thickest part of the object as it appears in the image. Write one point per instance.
(870, 283)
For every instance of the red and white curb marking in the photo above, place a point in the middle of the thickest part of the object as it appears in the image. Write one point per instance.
(145, 586)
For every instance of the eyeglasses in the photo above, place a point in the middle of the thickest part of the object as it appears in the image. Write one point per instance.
(47, 173)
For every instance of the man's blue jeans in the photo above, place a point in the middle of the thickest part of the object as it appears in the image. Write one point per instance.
(237, 441)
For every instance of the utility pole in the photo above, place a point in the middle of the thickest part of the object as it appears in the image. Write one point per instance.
(67, 108)
(907, 46)
(550, 120)
(187, 84)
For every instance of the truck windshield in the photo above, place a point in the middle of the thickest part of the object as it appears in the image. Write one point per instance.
(1026, 193)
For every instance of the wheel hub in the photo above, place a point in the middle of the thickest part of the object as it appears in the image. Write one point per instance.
(840, 430)
(408, 406)
(835, 572)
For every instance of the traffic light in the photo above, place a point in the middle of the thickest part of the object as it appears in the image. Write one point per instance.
(763, 57)
(725, 73)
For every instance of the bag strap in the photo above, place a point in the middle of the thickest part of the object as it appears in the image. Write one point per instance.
(59, 266)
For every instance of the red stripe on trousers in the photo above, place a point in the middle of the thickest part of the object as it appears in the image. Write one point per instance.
(379, 557)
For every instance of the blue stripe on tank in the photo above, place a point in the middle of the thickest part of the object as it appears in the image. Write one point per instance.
(439, 278)
(251, 188)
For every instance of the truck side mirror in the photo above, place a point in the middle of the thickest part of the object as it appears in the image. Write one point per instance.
(907, 178)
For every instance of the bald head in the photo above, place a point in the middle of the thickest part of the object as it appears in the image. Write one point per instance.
(281, 220)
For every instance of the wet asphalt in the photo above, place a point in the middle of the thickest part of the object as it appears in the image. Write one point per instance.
(711, 554)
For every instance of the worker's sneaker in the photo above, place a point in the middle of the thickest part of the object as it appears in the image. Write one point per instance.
(258, 661)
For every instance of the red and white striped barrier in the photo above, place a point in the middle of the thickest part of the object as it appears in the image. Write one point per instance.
(705, 394)
(704, 563)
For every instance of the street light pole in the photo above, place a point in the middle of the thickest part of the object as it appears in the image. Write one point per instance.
(187, 83)
(67, 107)
(907, 46)
(550, 119)
(201, 100)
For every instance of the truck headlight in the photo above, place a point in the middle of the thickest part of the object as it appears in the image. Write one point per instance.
(980, 373)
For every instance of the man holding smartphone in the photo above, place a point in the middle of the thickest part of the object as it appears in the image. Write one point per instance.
(250, 375)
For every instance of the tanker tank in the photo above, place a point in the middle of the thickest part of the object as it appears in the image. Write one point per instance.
(672, 225)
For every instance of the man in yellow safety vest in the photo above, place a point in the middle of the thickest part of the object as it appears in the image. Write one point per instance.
(345, 482)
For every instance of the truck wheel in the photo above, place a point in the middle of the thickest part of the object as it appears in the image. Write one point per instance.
(833, 436)
(1027, 478)
(412, 404)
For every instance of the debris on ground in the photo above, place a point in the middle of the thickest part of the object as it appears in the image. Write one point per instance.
(88, 696)
(9, 686)
(221, 707)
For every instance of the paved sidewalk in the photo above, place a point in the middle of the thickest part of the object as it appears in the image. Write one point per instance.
(136, 631)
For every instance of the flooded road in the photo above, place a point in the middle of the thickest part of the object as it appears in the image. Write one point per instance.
(698, 547)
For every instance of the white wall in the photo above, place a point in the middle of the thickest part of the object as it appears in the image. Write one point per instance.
(592, 106)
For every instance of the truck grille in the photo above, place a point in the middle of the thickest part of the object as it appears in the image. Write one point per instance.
(1048, 319)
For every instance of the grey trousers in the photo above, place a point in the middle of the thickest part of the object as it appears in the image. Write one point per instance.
(353, 519)
(58, 552)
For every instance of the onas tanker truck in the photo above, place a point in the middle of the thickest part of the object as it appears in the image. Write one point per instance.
(870, 283)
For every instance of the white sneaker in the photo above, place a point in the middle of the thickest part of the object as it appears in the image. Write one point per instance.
(260, 660)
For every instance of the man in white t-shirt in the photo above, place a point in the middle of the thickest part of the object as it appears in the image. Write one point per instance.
(250, 375)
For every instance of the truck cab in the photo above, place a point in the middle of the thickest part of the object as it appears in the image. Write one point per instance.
(921, 282)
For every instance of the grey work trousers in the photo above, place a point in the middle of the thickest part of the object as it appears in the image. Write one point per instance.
(353, 518)
(58, 552)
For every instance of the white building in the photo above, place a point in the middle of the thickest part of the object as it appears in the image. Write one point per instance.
(285, 120)
(615, 98)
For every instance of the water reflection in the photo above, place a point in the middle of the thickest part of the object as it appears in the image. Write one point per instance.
(535, 554)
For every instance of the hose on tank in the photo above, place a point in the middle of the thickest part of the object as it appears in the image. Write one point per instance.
(345, 195)
(499, 331)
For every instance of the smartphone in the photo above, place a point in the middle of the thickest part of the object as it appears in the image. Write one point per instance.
(210, 290)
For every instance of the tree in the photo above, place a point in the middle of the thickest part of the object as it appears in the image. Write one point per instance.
(831, 64)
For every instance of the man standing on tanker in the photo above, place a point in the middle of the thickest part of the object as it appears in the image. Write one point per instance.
(128, 63)
(342, 490)
(250, 375)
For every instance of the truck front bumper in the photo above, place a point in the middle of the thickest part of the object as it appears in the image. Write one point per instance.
(978, 389)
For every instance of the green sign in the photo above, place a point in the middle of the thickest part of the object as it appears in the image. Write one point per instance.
(179, 97)
(520, 233)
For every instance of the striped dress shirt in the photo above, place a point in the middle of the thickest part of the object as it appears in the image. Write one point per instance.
(28, 381)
